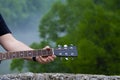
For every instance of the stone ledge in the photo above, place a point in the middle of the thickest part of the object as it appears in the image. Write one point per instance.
(56, 76)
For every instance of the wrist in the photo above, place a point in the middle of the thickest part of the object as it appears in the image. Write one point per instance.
(34, 59)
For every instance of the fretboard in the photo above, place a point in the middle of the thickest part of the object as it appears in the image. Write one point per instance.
(70, 51)
(24, 54)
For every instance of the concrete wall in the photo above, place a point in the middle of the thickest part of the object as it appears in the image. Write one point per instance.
(56, 76)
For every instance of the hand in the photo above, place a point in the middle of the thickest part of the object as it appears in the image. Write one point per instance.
(46, 59)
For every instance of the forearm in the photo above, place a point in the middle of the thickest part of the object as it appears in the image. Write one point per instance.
(12, 44)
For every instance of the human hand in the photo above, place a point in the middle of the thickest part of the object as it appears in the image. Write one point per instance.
(46, 59)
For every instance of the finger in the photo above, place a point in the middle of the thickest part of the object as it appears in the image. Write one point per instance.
(53, 56)
(41, 60)
(50, 59)
(46, 47)
(47, 59)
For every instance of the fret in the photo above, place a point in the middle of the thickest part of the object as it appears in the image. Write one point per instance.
(18, 54)
(25, 53)
(50, 52)
(7, 55)
(34, 53)
(47, 52)
(3, 56)
(14, 54)
(29, 53)
(10, 55)
(39, 52)
(21, 54)
(44, 53)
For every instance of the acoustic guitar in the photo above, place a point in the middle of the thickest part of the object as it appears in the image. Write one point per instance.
(66, 51)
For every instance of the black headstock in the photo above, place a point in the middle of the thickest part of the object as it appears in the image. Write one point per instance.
(66, 51)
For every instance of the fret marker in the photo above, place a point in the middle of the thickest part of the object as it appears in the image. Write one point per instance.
(21, 55)
(29, 53)
(3, 57)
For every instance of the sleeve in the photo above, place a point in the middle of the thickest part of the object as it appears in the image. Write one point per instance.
(3, 27)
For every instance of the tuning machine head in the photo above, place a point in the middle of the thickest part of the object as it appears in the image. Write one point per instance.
(59, 46)
(61, 58)
(66, 58)
(66, 51)
(71, 46)
(65, 46)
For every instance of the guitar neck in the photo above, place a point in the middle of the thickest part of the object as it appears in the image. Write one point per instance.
(23, 54)
(70, 51)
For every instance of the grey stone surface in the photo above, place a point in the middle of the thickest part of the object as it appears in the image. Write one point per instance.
(56, 76)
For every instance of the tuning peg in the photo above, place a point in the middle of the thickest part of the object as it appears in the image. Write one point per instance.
(66, 58)
(71, 44)
(65, 46)
(59, 46)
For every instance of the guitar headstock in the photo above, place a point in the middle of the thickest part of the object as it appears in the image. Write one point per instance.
(66, 51)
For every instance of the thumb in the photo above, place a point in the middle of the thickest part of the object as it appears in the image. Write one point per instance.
(46, 47)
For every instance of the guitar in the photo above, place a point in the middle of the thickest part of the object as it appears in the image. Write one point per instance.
(66, 51)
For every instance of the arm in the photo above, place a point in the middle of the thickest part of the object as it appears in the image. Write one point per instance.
(9, 43)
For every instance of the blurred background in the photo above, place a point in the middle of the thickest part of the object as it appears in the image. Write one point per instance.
(91, 25)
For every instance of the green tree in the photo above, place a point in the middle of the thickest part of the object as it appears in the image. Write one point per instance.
(18, 12)
(98, 40)
(91, 25)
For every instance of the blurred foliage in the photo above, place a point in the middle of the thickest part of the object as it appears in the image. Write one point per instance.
(18, 12)
(17, 62)
(92, 26)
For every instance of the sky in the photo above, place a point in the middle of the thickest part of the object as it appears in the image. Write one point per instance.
(27, 36)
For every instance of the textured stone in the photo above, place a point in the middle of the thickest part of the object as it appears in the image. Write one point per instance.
(56, 76)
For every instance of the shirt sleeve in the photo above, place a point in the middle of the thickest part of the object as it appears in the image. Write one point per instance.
(3, 27)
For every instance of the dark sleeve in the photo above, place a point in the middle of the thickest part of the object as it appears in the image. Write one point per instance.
(3, 27)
